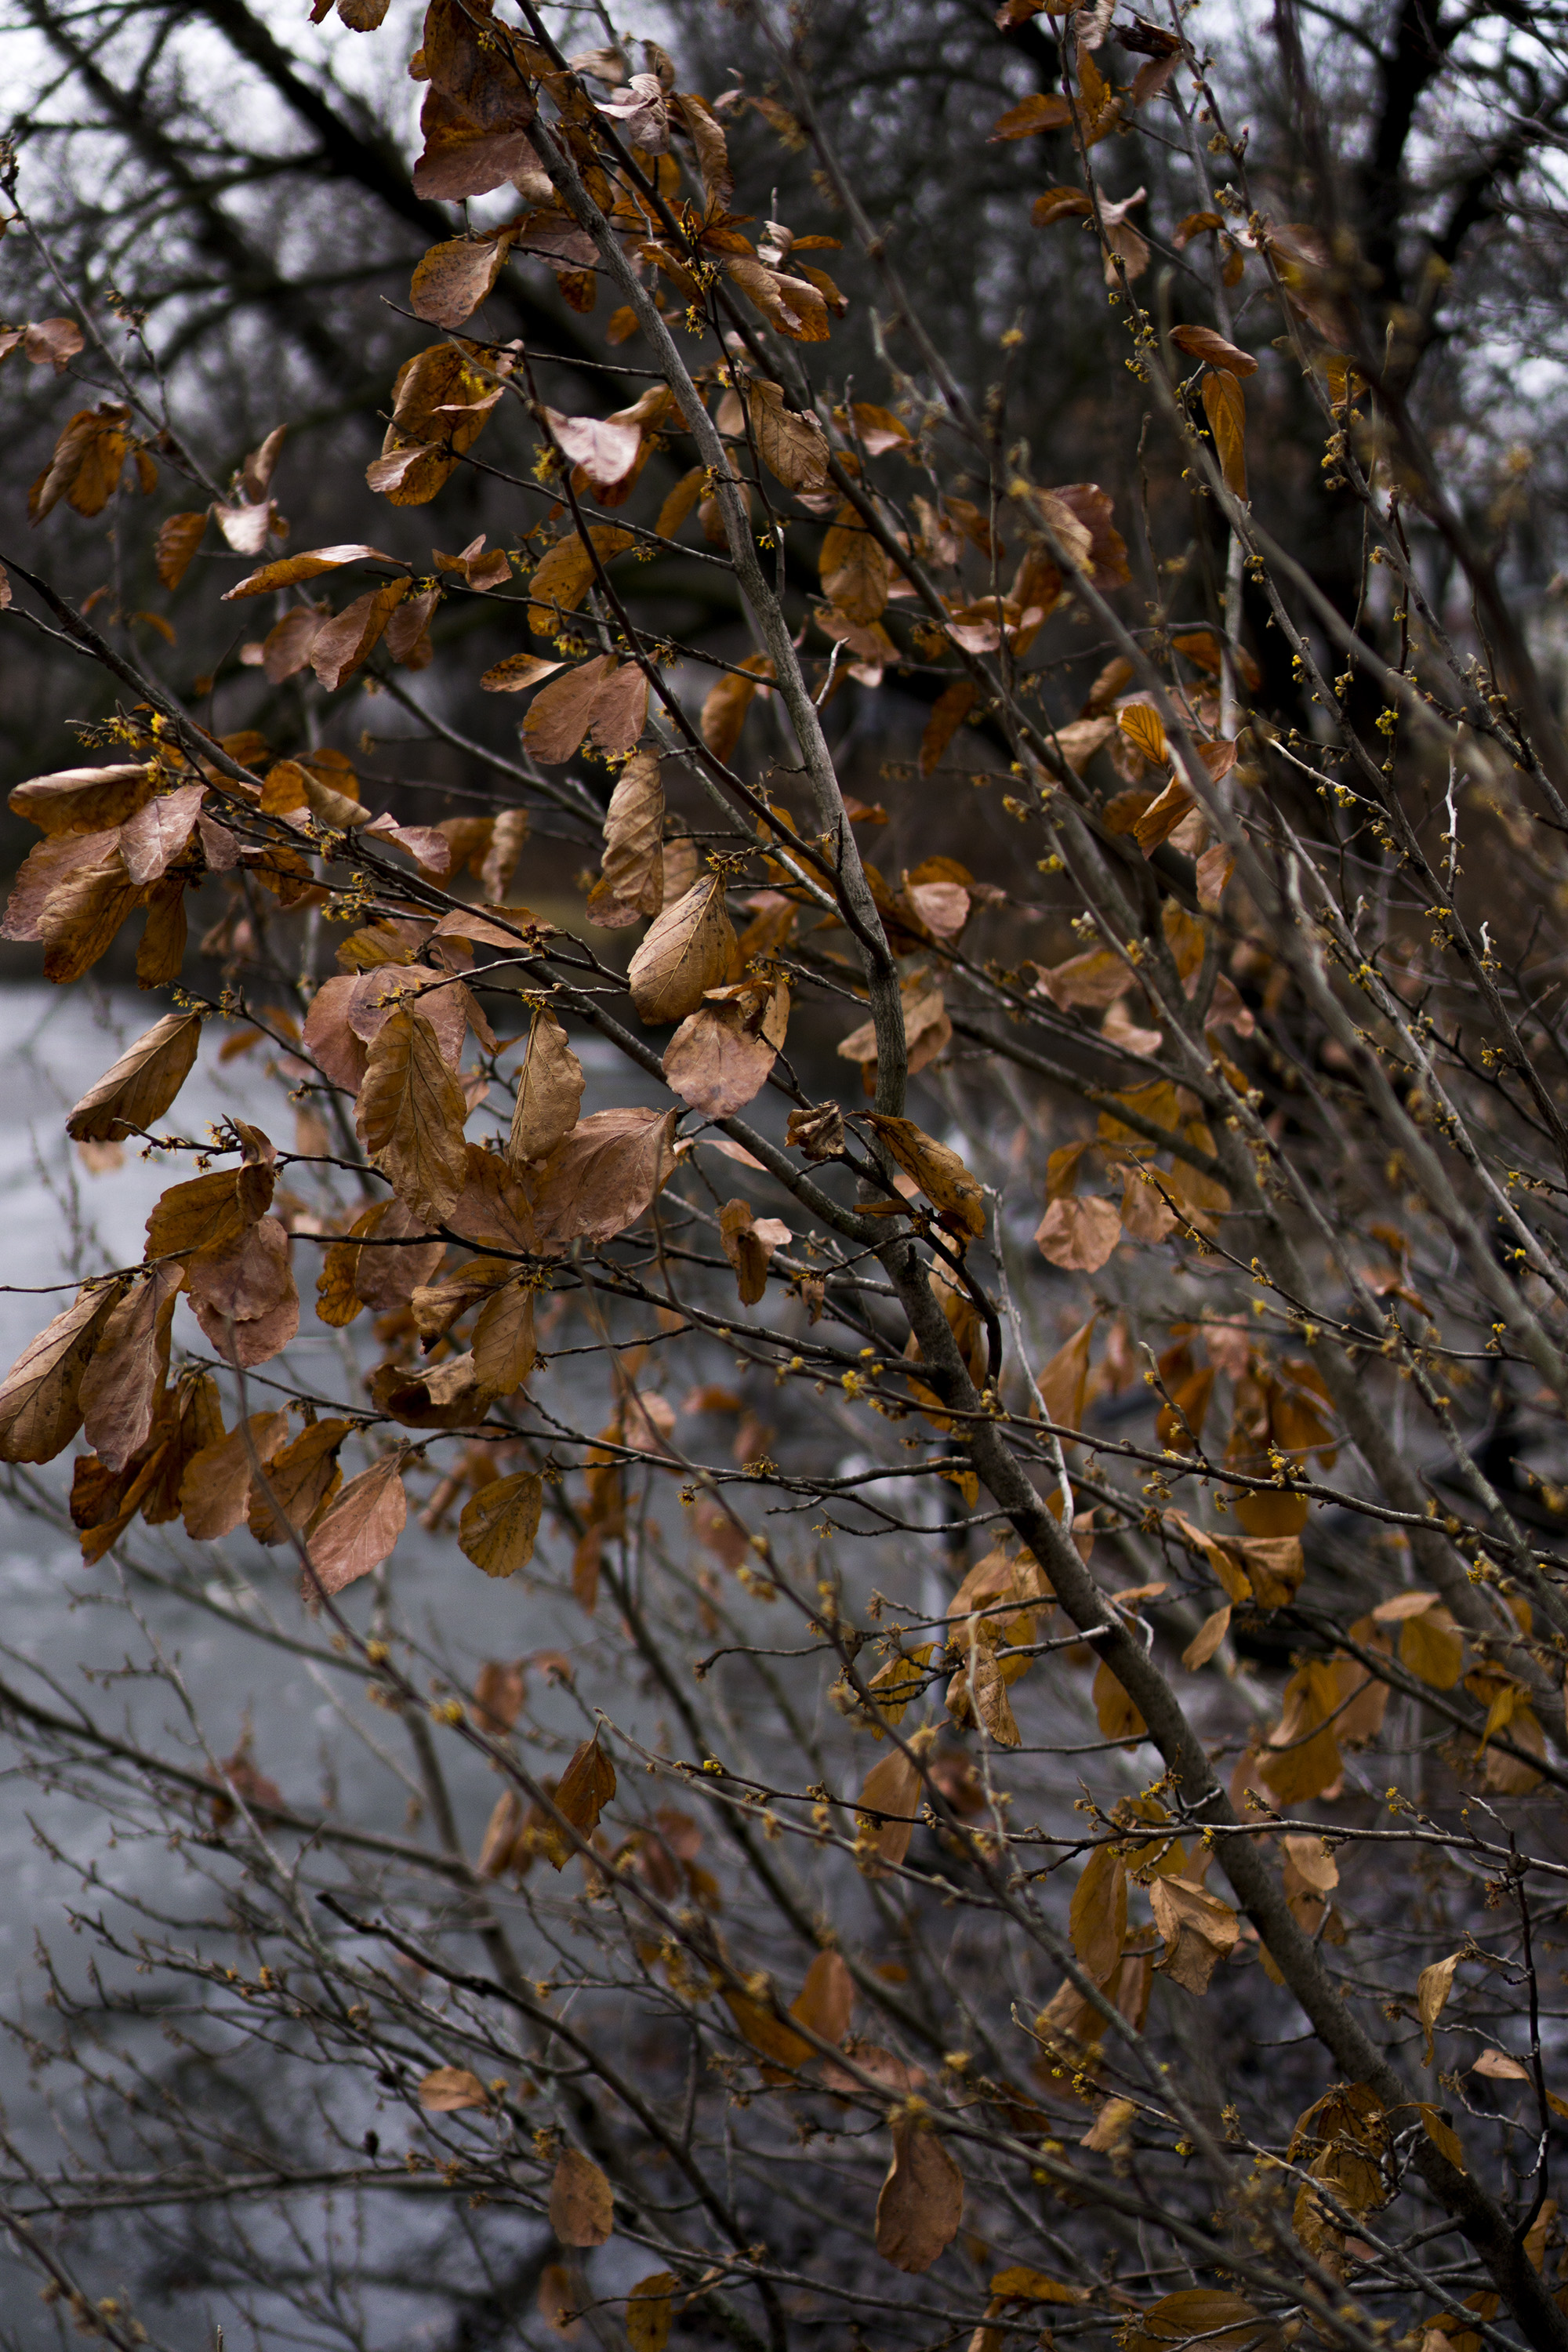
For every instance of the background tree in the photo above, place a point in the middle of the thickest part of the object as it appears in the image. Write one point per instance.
(921, 1485)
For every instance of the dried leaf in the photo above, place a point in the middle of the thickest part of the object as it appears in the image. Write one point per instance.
(1078, 1235)
(689, 949)
(447, 2090)
(300, 1481)
(725, 706)
(1097, 1919)
(141, 1085)
(503, 1338)
(940, 1173)
(1206, 1640)
(362, 1527)
(1203, 343)
(581, 2206)
(215, 1486)
(1432, 1990)
(826, 2001)
(891, 1788)
(921, 2201)
(1221, 2323)
(549, 1091)
(602, 1177)
(631, 877)
(650, 2310)
(586, 1787)
(562, 578)
(792, 446)
(412, 1112)
(122, 1386)
(1225, 405)
(950, 708)
(854, 569)
(500, 1523)
(1198, 1929)
(179, 536)
(40, 1407)
(288, 569)
(453, 278)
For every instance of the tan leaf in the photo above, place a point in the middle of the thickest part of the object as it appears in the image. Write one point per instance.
(950, 708)
(517, 673)
(447, 2090)
(826, 2001)
(215, 1486)
(412, 1112)
(500, 1523)
(1497, 2066)
(340, 644)
(650, 2310)
(362, 1527)
(208, 1214)
(581, 2206)
(1225, 405)
(244, 1295)
(681, 501)
(141, 1085)
(453, 278)
(586, 1787)
(891, 1788)
(725, 706)
(1112, 2130)
(689, 949)
(631, 877)
(549, 1091)
(746, 1250)
(1115, 1711)
(503, 1338)
(1062, 1382)
(1039, 112)
(1432, 1647)
(1198, 1929)
(179, 536)
(40, 1402)
(1097, 1919)
(1203, 343)
(1078, 1235)
(921, 2201)
(1221, 2323)
(940, 1173)
(854, 569)
(300, 1481)
(1018, 2283)
(122, 1386)
(1432, 1990)
(562, 577)
(288, 569)
(1302, 1758)
(605, 448)
(792, 446)
(602, 1177)
(720, 1058)
(559, 718)
(1206, 1640)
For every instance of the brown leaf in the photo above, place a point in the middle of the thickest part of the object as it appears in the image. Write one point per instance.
(178, 539)
(453, 278)
(688, 950)
(1302, 1758)
(631, 878)
(40, 1407)
(1432, 1990)
(560, 716)
(288, 569)
(1062, 1382)
(339, 646)
(141, 1085)
(745, 1249)
(892, 1787)
(1115, 1711)
(122, 1386)
(215, 1484)
(1221, 2323)
(1206, 1640)
(725, 705)
(921, 2201)
(586, 1787)
(1040, 110)
(300, 1481)
(602, 1177)
(362, 1527)
(1225, 405)
(582, 2204)
(949, 712)
(1097, 1919)
(826, 2001)
(606, 448)
(792, 446)
(503, 1338)
(208, 1213)
(500, 1524)
(244, 1296)
(447, 2090)
(940, 1173)
(549, 1091)
(1203, 343)
(720, 1056)
(650, 2310)
(1078, 1235)
(562, 577)
(412, 1113)
(1198, 1929)
(853, 567)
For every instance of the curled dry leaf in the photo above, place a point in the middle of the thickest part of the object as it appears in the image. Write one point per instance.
(892, 1789)
(453, 278)
(1432, 1990)
(586, 1787)
(940, 1173)
(500, 1524)
(602, 1177)
(1198, 1928)
(1079, 1234)
(826, 2001)
(792, 446)
(122, 1385)
(688, 950)
(412, 1112)
(141, 1085)
(447, 2090)
(40, 1402)
(921, 2201)
(1097, 1919)
(720, 1056)
(175, 550)
(581, 2207)
(853, 567)
(631, 875)
(549, 1091)
(1225, 405)
(1203, 343)
(297, 1482)
(362, 1527)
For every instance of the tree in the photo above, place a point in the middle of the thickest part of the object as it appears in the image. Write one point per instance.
(1053, 1829)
